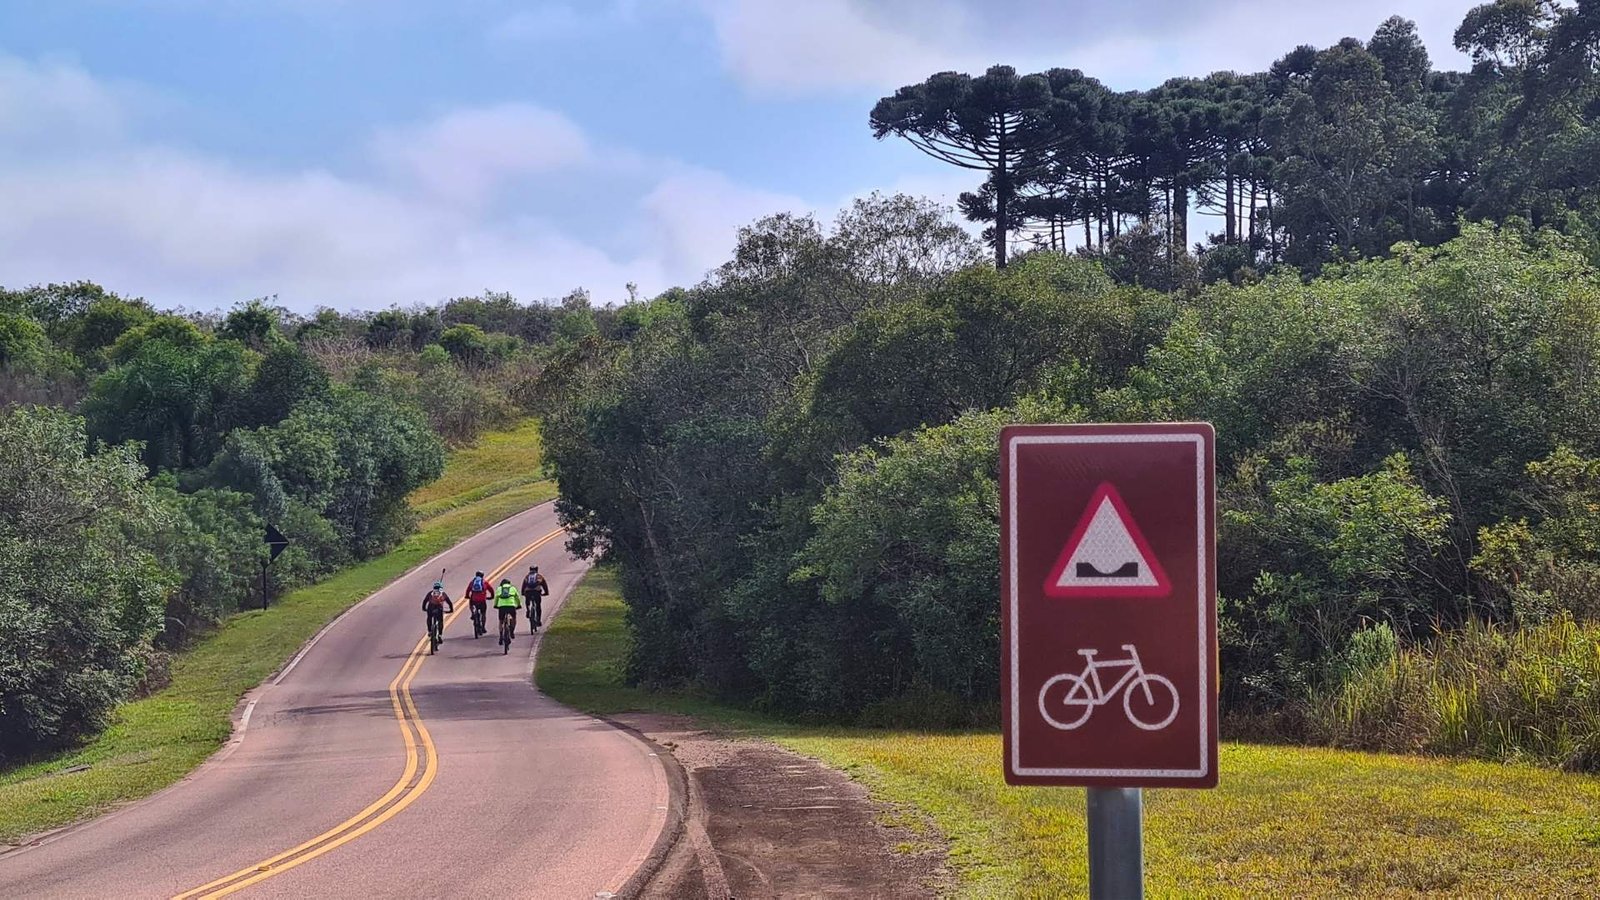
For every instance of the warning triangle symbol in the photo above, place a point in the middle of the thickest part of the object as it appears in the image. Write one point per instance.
(1107, 555)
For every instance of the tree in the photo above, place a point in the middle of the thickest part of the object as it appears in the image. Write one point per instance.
(79, 597)
(253, 324)
(24, 347)
(1506, 34)
(388, 329)
(54, 305)
(212, 539)
(352, 458)
(1400, 51)
(1554, 126)
(982, 123)
(285, 378)
(1356, 154)
(106, 320)
(174, 397)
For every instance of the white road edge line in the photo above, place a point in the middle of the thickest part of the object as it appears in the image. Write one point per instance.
(244, 720)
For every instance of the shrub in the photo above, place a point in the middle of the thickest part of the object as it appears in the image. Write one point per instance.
(213, 539)
(1552, 566)
(1303, 563)
(904, 557)
(467, 344)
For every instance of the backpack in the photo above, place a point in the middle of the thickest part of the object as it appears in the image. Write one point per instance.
(477, 585)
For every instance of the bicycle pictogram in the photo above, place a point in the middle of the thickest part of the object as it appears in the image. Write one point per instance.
(1085, 691)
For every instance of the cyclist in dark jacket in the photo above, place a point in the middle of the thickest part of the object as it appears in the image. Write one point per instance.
(534, 590)
(436, 603)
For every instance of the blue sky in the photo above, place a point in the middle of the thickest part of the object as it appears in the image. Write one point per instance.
(365, 153)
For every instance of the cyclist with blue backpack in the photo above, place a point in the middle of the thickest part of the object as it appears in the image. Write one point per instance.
(478, 593)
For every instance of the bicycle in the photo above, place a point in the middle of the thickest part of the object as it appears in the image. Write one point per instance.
(1085, 691)
(435, 631)
(534, 613)
(478, 626)
(506, 624)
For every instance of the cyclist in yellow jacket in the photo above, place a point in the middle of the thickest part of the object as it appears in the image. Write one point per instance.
(506, 602)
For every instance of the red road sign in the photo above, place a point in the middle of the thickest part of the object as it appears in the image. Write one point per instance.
(1109, 610)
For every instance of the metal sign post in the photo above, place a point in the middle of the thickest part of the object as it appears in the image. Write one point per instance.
(1116, 844)
(1109, 622)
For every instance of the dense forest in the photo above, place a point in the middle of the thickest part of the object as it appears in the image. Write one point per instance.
(1395, 333)
(1330, 154)
(144, 453)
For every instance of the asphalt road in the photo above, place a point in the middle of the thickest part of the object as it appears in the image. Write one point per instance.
(371, 768)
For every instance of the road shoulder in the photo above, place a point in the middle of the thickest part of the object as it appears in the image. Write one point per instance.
(763, 821)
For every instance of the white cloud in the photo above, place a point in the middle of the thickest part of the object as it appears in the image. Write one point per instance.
(832, 45)
(463, 154)
(697, 212)
(57, 104)
(821, 44)
(184, 228)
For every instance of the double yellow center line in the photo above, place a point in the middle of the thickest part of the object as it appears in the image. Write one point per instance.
(422, 765)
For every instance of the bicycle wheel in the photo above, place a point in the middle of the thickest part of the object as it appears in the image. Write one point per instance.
(1156, 694)
(1077, 701)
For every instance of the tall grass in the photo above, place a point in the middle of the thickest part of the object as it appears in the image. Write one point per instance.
(1530, 694)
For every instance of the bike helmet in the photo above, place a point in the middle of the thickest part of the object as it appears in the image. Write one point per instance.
(477, 575)
(533, 568)
(438, 585)
(505, 581)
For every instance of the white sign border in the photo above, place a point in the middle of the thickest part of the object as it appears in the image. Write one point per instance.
(1202, 560)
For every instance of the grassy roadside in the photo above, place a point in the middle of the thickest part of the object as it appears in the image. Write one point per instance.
(1286, 821)
(501, 461)
(157, 740)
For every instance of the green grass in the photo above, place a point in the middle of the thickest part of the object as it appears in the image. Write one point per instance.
(1286, 821)
(499, 462)
(157, 740)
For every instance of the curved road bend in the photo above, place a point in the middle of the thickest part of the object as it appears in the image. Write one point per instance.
(372, 768)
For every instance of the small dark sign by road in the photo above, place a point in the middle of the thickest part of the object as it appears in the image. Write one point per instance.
(1108, 558)
(276, 541)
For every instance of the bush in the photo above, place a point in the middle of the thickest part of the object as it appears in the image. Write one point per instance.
(1303, 564)
(904, 557)
(79, 598)
(1550, 567)
(1530, 694)
(213, 539)
(467, 344)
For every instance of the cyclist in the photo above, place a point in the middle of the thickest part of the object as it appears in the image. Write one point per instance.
(534, 590)
(436, 603)
(507, 601)
(478, 593)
